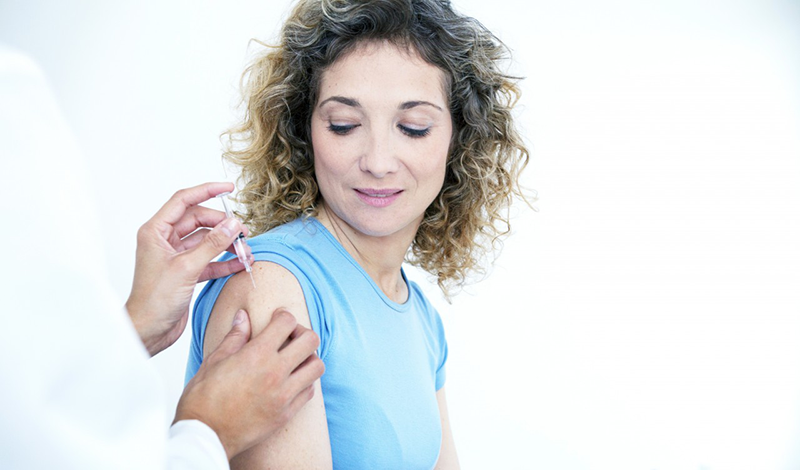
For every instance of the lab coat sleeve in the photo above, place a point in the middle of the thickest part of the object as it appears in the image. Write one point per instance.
(78, 391)
(193, 445)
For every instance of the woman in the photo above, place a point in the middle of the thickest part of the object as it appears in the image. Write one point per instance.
(376, 132)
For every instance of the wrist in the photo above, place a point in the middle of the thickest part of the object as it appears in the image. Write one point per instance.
(147, 334)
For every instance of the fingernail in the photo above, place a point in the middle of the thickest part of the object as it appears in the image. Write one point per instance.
(238, 318)
(230, 226)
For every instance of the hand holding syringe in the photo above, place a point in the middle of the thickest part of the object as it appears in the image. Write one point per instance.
(238, 244)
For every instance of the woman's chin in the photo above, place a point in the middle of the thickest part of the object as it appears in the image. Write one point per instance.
(385, 226)
(380, 230)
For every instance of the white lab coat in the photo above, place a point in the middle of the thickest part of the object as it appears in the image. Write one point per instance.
(77, 389)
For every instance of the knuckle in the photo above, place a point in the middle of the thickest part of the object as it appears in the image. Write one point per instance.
(235, 332)
(143, 232)
(284, 318)
(314, 339)
(317, 366)
(179, 195)
(285, 397)
(217, 239)
(271, 379)
(309, 339)
(182, 264)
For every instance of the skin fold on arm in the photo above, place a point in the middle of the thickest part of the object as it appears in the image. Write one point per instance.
(304, 442)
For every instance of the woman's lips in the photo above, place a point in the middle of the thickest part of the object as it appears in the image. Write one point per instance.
(378, 197)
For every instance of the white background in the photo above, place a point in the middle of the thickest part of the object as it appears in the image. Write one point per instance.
(647, 317)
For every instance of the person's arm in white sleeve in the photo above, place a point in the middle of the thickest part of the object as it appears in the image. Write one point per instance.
(195, 446)
(78, 391)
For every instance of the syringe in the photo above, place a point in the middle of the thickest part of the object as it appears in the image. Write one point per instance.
(238, 244)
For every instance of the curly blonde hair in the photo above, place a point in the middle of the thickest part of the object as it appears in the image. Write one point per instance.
(272, 145)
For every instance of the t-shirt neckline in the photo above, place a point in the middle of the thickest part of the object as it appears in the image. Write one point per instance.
(400, 307)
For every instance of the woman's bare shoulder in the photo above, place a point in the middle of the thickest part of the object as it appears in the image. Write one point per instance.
(276, 287)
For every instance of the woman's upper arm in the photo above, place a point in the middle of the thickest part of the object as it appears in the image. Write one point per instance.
(303, 442)
(448, 458)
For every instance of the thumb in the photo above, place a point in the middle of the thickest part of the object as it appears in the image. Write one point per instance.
(234, 340)
(213, 243)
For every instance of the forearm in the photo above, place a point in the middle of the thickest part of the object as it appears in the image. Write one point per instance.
(151, 337)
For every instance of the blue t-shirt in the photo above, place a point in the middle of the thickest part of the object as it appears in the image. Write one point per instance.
(384, 361)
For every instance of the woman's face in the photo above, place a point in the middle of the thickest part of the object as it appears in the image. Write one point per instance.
(381, 132)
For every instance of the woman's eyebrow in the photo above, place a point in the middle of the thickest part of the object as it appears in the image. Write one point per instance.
(413, 104)
(356, 104)
(341, 99)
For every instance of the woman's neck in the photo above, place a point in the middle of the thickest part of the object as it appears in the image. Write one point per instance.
(380, 257)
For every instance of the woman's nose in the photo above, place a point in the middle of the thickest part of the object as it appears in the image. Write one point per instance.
(380, 157)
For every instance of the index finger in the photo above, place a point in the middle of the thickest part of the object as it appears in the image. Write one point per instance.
(302, 345)
(173, 210)
(277, 332)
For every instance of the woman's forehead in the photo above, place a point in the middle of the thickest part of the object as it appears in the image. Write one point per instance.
(381, 69)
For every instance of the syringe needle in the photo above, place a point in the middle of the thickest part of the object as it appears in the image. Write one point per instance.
(238, 244)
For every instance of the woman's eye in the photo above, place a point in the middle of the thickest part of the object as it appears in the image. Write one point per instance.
(411, 132)
(341, 129)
